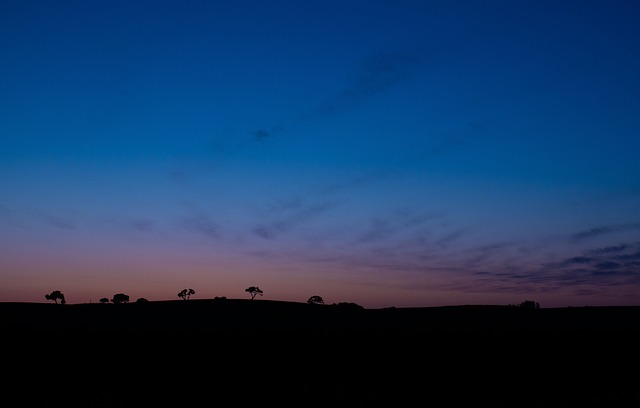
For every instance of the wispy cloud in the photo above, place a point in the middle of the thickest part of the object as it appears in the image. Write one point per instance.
(350, 184)
(66, 223)
(202, 225)
(261, 134)
(289, 215)
(264, 134)
(603, 230)
(608, 249)
(576, 260)
(383, 228)
(612, 265)
(376, 74)
(142, 225)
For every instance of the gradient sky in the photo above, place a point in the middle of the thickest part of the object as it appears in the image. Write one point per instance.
(386, 153)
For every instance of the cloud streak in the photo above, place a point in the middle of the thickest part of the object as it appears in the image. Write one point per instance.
(202, 225)
(604, 230)
(293, 213)
(376, 75)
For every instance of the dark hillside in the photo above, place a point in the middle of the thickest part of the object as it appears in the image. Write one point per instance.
(236, 352)
(224, 315)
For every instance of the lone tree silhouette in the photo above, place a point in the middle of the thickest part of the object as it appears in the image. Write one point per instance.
(185, 294)
(104, 300)
(253, 291)
(120, 298)
(315, 300)
(55, 295)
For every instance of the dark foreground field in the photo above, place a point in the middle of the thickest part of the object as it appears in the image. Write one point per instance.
(227, 353)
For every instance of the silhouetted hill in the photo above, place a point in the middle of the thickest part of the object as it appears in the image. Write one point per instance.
(236, 352)
(238, 315)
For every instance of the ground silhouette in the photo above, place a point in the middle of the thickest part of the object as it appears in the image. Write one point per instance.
(237, 352)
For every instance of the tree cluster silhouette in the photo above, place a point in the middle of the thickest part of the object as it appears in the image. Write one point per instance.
(186, 293)
(530, 304)
(253, 291)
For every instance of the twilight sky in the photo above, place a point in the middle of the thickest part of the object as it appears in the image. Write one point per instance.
(387, 153)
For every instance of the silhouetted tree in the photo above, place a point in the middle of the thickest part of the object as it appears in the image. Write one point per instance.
(253, 291)
(120, 298)
(141, 300)
(104, 300)
(348, 306)
(55, 295)
(529, 304)
(185, 294)
(315, 300)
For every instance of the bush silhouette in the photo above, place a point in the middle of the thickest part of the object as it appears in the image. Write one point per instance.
(55, 296)
(120, 298)
(348, 306)
(315, 300)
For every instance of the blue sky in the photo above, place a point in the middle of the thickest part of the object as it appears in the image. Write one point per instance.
(387, 153)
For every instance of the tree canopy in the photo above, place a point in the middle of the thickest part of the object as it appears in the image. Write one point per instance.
(315, 300)
(120, 298)
(185, 294)
(55, 296)
(253, 291)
